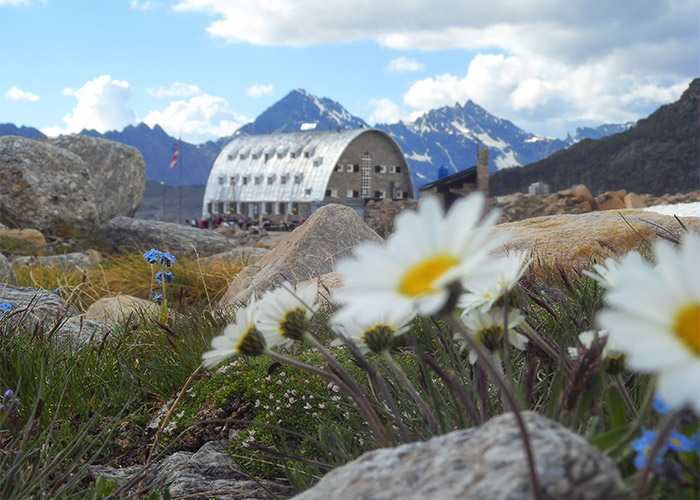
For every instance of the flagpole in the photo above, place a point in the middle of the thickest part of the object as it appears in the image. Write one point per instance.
(179, 183)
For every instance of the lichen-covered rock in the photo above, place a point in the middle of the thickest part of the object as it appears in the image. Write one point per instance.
(53, 314)
(208, 473)
(483, 463)
(117, 173)
(178, 239)
(311, 250)
(7, 272)
(29, 235)
(118, 309)
(41, 305)
(576, 240)
(44, 187)
(71, 260)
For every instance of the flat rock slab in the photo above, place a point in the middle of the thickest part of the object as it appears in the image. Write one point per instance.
(42, 305)
(178, 239)
(71, 260)
(483, 463)
(208, 473)
(576, 240)
(311, 250)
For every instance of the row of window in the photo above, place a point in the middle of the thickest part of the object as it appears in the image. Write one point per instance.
(378, 169)
(267, 156)
(258, 179)
(350, 193)
(252, 209)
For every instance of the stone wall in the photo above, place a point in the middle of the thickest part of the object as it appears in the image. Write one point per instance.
(380, 215)
(579, 200)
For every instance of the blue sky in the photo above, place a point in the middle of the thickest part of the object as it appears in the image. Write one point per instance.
(202, 68)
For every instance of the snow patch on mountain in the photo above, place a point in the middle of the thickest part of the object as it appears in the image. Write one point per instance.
(506, 160)
(419, 157)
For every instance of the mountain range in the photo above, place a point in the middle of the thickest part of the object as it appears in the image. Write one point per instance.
(445, 136)
(659, 155)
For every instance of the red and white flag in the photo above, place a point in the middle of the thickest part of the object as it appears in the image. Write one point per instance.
(175, 155)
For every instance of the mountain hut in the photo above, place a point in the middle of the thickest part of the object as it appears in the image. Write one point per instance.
(286, 176)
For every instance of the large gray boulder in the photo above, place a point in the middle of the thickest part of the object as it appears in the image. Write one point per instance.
(117, 173)
(483, 463)
(45, 187)
(208, 473)
(178, 239)
(311, 250)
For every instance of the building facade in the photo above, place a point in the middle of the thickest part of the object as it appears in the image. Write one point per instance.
(286, 176)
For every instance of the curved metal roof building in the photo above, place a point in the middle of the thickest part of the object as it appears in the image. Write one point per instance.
(306, 168)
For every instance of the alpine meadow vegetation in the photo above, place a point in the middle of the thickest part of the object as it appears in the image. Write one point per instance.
(429, 334)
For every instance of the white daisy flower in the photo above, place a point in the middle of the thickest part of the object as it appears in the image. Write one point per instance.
(374, 334)
(495, 279)
(487, 329)
(284, 314)
(239, 337)
(609, 274)
(415, 272)
(654, 319)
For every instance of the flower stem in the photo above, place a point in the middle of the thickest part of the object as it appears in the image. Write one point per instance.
(488, 365)
(620, 385)
(343, 374)
(386, 356)
(667, 425)
(641, 416)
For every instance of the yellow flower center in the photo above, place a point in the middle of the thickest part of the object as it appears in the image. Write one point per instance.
(687, 327)
(420, 278)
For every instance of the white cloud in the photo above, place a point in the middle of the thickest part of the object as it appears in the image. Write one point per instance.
(102, 106)
(176, 89)
(545, 98)
(143, 6)
(20, 95)
(385, 111)
(403, 65)
(259, 90)
(198, 120)
(586, 60)
(13, 2)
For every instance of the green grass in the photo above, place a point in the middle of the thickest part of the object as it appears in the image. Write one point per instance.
(104, 402)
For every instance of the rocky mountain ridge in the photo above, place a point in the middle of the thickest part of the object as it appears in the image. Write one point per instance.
(659, 155)
(445, 136)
